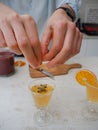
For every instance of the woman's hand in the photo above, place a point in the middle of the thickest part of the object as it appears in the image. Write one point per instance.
(66, 39)
(19, 33)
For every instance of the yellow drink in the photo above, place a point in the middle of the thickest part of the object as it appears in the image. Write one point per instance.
(92, 93)
(42, 94)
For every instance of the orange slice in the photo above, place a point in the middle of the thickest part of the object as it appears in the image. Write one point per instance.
(19, 63)
(83, 76)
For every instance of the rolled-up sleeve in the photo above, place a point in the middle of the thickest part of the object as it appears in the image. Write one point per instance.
(75, 4)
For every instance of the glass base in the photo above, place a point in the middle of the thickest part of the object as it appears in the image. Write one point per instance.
(90, 112)
(43, 118)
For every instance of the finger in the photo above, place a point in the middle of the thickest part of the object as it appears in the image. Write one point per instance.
(23, 41)
(9, 36)
(75, 42)
(59, 59)
(59, 31)
(31, 30)
(66, 51)
(46, 38)
(2, 40)
(79, 43)
(69, 38)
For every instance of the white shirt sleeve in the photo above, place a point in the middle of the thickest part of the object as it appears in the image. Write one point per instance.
(75, 4)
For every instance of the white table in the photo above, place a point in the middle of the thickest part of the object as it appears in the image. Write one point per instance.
(17, 106)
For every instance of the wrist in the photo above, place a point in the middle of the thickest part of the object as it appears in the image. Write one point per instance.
(68, 11)
(68, 6)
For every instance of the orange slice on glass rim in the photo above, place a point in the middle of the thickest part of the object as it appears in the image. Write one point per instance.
(83, 76)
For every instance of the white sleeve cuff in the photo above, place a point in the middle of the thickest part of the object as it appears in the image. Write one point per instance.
(74, 4)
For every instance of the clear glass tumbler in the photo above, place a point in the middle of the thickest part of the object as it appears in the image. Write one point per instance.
(42, 90)
(91, 110)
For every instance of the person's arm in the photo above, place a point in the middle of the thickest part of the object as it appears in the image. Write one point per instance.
(19, 33)
(66, 37)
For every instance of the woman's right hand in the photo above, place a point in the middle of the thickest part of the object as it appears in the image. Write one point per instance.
(19, 33)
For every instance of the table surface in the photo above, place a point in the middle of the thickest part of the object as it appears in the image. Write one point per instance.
(17, 107)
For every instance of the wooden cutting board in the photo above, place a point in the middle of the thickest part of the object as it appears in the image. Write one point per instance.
(59, 70)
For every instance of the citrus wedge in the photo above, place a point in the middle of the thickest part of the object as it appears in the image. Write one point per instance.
(83, 76)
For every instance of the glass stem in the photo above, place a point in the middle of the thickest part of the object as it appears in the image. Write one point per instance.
(42, 113)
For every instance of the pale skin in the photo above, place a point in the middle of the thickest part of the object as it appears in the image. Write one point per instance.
(19, 33)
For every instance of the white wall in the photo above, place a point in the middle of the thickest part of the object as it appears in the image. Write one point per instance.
(89, 47)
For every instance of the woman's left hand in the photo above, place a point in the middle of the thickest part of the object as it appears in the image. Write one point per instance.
(66, 39)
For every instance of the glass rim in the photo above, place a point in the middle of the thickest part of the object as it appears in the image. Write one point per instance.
(90, 86)
(6, 54)
(40, 94)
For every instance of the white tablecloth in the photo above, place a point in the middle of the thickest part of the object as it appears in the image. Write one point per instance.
(17, 107)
